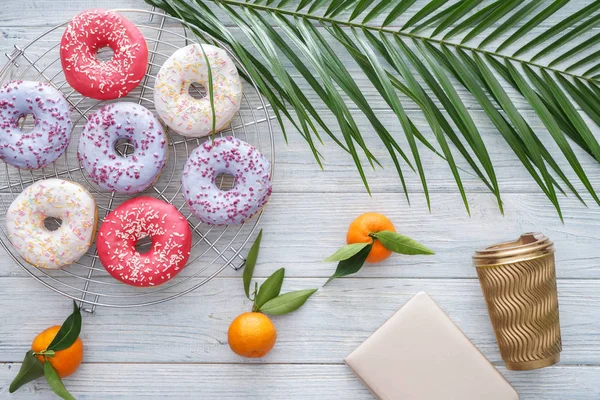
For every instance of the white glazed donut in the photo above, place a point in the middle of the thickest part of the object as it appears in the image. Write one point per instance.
(97, 154)
(56, 198)
(251, 190)
(51, 133)
(183, 113)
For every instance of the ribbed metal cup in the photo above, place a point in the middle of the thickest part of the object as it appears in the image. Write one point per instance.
(518, 281)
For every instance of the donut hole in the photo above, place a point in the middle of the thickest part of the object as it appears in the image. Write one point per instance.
(225, 181)
(143, 245)
(105, 54)
(197, 90)
(52, 223)
(124, 147)
(26, 123)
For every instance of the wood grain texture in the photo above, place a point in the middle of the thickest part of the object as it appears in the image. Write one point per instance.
(333, 322)
(448, 230)
(258, 382)
(178, 350)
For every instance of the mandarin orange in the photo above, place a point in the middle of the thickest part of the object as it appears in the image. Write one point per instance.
(64, 361)
(252, 335)
(370, 222)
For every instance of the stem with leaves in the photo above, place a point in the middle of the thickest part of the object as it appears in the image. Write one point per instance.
(266, 297)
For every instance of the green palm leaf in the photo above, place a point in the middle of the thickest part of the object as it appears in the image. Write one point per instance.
(291, 51)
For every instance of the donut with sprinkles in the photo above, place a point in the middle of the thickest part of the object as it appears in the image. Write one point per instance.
(103, 80)
(117, 171)
(66, 201)
(136, 219)
(51, 132)
(185, 114)
(252, 181)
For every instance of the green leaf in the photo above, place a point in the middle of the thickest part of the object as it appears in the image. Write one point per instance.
(552, 126)
(351, 265)
(576, 50)
(573, 114)
(429, 112)
(360, 7)
(378, 9)
(211, 93)
(346, 252)
(520, 126)
(514, 19)
(584, 61)
(401, 244)
(461, 10)
(68, 332)
(270, 288)
(287, 302)
(490, 19)
(474, 19)
(470, 80)
(31, 369)
(316, 5)
(251, 263)
(560, 27)
(568, 38)
(397, 107)
(402, 6)
(56, 383)
(458, 111)
(532, 23)
(584, 97)
(431, 21)
(425, 11)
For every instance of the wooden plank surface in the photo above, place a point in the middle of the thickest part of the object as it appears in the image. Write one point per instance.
(179, 349)
(334, 322)
(264, 381)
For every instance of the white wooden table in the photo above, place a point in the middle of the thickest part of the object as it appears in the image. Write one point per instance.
(179, 350)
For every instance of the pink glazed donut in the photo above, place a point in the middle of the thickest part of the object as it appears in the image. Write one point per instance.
(252, 187)
(103, 80)
(133, 220)
(51, 133)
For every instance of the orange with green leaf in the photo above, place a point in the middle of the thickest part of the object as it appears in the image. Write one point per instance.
(253, 334)
(55, 353)
(372, 237)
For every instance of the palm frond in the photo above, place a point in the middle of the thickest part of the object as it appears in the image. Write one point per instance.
(421, 52)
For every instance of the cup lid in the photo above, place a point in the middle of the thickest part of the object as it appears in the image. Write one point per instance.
(529, 246)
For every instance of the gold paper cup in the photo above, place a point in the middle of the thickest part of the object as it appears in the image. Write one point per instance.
(518, 281)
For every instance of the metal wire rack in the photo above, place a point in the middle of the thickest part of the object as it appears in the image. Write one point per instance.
(214, 248)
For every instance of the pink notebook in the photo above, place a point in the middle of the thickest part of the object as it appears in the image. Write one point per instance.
(419, 354)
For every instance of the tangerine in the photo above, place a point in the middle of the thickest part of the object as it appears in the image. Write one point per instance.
(66, 361)
(252, 335)
(370, 222)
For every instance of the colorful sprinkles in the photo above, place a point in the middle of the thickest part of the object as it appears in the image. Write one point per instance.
(251, 172)
(103, 80)
(111, 171)
(185, 114)
(56, 198)
(51, 133)
(136, 219)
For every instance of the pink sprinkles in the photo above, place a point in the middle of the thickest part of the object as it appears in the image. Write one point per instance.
(251, 172)
(111, 171)
(51, 133)
(136, 219)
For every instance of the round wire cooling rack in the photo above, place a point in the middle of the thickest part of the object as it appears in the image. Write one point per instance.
(214, 248)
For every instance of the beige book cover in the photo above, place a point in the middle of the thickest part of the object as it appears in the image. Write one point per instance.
(419, 354)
